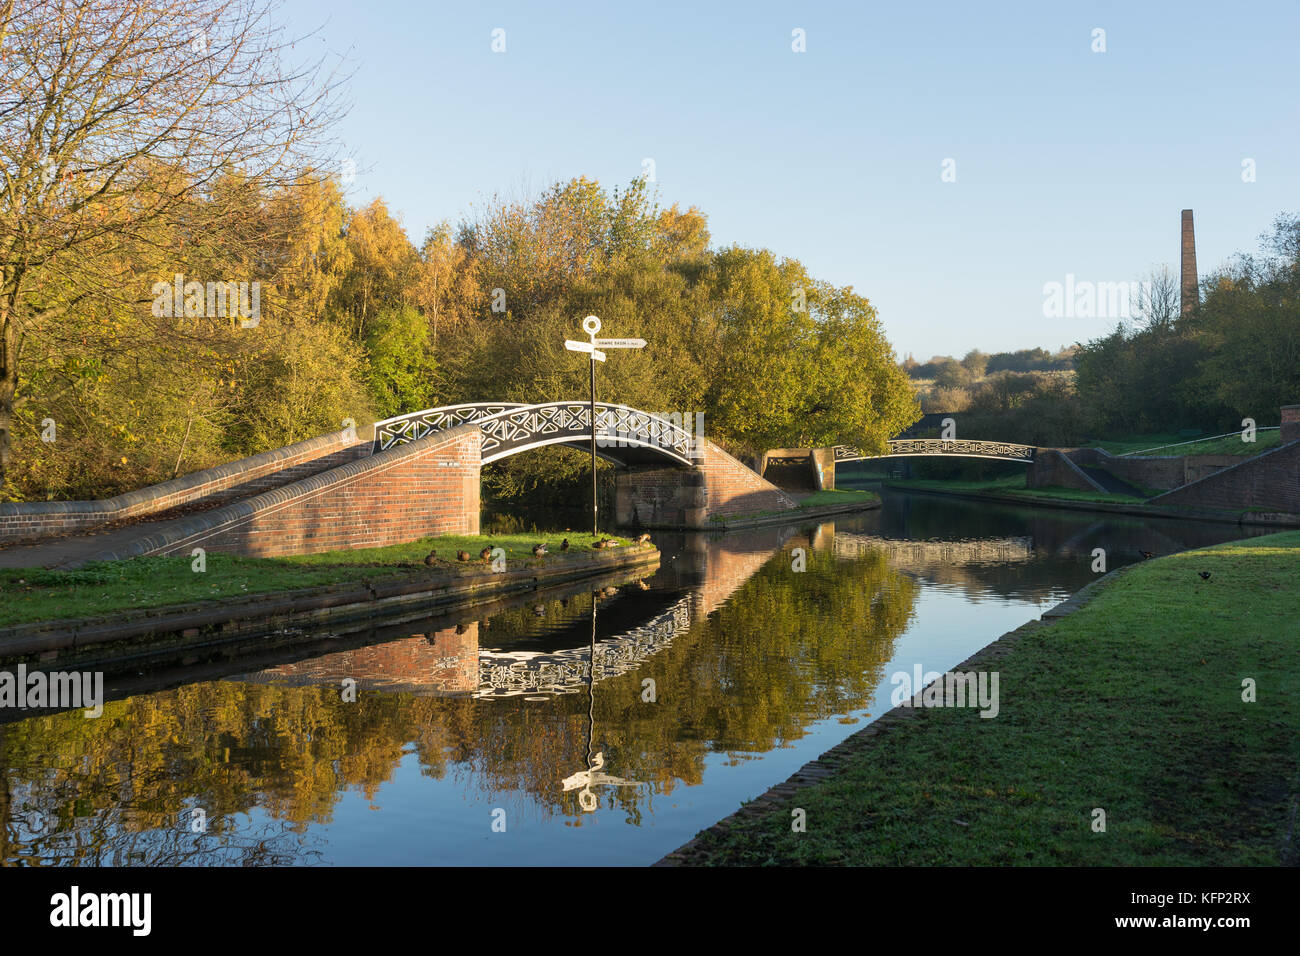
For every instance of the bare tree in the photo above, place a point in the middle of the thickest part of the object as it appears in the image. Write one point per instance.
(1157, 304)
(118, 115)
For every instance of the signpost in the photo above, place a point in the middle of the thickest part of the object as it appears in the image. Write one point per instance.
(591, 325)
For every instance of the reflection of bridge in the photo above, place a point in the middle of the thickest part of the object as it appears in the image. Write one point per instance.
(452, 662)
(908, 555)
(469, 660)
(566, 671)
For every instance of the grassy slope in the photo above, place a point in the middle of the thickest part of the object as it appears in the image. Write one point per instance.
(837, 496)
(817, 499)
(1132, 704)
(1014, 486)
(29, 594)
(1232, 445)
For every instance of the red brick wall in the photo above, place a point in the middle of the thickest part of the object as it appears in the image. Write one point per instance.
(1269, 482)
(683, 497)
(423, 488)
(657, 497)
(445, 661)
(1196, 467)
(732, 488)
(1290, 423)
(212, 486)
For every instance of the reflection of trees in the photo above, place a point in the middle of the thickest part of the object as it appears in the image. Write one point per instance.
(786, 650)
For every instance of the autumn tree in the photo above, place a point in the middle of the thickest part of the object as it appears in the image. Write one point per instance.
(116, 119)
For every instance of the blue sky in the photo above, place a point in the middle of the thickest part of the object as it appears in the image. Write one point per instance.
(1067, 161)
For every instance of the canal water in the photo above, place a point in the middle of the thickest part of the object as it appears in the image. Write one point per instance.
(597, 725)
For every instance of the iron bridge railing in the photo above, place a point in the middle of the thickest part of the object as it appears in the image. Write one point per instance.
(511, 427)
(960, 448)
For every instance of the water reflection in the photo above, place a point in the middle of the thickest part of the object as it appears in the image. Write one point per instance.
(585, 780)
(541, 705)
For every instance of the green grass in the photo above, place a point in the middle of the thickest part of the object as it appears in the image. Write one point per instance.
(816, 499)
(1132, 704)
(1231, 445)
(1013, 486)
(33, 594)
(837, 496)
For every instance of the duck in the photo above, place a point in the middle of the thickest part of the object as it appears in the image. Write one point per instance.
(431, 557)
(539, 550)
(486, 554)
(462, 555)
(564, 545)
(643, 539)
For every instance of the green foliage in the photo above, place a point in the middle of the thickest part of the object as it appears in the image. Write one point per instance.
(358, 323)
(402, 367)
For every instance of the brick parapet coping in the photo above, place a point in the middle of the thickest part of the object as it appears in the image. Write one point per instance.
(179, 535)
(41, 519)
(899, 718)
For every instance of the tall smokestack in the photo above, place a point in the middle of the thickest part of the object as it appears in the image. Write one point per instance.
(1189, 295)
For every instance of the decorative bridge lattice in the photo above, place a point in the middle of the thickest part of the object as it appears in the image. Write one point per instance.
(509, 428)
(959, 448)
(417, 425)
(568, 670)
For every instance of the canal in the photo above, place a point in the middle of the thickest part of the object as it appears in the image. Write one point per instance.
(496, 740)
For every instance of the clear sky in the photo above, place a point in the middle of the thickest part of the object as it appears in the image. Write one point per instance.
(1066, 160)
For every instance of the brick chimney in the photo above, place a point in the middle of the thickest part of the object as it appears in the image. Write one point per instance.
(1189, 295)
(1290, 423)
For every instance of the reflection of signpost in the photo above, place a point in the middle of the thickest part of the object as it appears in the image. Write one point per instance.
(584, 780)
(591, 325)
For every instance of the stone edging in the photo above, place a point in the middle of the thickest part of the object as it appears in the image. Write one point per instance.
(792, 517)
(825, 766)
(327, 602)
(1269, 519)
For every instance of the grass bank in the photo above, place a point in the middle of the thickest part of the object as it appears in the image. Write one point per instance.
(816, 499)
(1173, 445)
(838, 496)
(1132, 704)
(1012, 486)
(33, 594)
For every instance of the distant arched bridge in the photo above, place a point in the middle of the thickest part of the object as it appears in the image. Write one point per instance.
(949, 447)
(814, 468)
